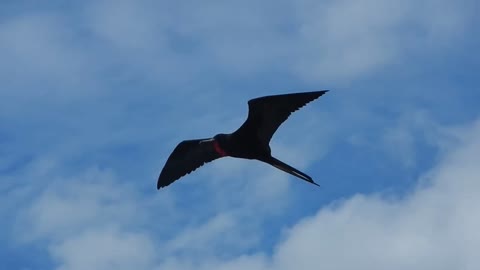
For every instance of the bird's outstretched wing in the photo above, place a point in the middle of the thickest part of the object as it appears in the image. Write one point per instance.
(266, 114)
(185, 158)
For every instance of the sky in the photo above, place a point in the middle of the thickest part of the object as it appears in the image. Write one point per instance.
(94, 96)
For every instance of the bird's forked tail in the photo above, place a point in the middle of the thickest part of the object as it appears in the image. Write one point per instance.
(289, 169)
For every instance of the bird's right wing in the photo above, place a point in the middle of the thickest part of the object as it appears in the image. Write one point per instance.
(185, 158)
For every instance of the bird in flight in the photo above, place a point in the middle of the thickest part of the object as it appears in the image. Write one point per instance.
(250, 141)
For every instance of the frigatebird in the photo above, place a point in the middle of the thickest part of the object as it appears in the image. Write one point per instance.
(250, 141)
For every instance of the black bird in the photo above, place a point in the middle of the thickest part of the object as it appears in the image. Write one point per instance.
(250, 141)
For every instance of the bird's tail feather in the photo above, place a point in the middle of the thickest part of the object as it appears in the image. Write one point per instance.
(289, 169)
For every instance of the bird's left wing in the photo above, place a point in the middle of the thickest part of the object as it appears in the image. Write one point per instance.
(266, 114)
(185, 158)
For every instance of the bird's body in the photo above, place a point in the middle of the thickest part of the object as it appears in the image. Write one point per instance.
(250, 141)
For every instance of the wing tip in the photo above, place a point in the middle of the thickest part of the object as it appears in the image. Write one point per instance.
(162, 184)
(315, 95)
(323, 91)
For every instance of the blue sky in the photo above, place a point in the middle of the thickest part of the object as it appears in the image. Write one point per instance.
(94, 96)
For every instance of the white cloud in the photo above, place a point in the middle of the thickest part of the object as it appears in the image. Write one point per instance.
(40, 60)
(91, 221)
(332, 41)
(432, 228)
(411, 129)
(68, 206)
(104, 249)
(52, 58)
(344, 40)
